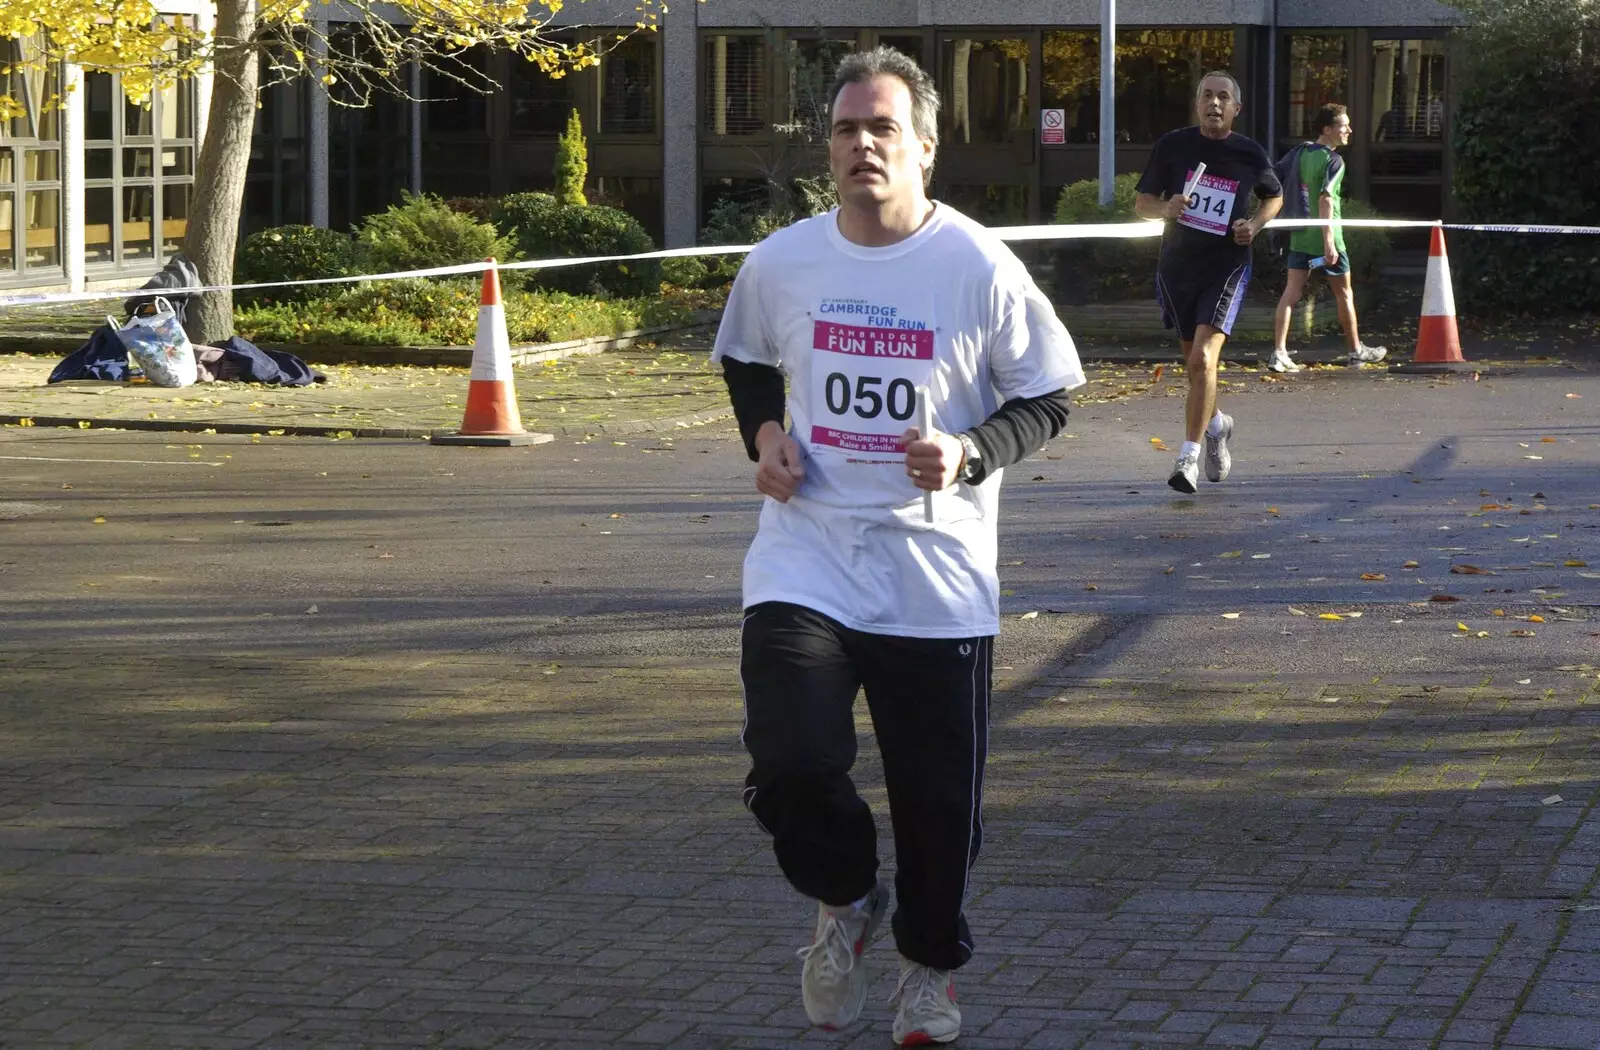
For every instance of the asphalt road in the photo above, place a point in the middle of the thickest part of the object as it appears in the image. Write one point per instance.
(634, 546)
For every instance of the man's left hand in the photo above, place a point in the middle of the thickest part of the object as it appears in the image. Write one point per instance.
(932, 463)
(1244, 231)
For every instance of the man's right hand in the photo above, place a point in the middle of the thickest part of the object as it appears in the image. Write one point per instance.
(1176, 206)
(779, 471)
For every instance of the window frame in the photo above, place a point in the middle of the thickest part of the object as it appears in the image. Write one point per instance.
(19, 186)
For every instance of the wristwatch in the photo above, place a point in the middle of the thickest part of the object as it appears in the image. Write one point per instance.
(971, 459)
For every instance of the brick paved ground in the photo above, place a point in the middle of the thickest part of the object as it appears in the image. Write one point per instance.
(498, 850)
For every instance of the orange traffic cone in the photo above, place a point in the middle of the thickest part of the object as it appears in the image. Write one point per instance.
(1438, 338)
(491, 417)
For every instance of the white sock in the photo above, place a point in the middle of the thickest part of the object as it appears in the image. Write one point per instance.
(861, 904)
(1214, 428)
(1190, 448)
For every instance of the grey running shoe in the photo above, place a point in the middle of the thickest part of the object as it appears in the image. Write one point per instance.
(1367, 355)
(1186, 473)
(1218, 461)
(928, 1012)
(1280, 361)
(834, 981)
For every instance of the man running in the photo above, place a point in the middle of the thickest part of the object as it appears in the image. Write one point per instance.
(1316, 173)
(1204, 267)
(847, 584)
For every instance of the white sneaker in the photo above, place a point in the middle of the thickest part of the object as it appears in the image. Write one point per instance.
(1280, 361)
(1367, 355)
(1218, 461)
(1186, 473)
(928, 1011)
(833, 983)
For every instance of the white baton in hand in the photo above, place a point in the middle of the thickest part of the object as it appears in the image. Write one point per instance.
(925, 431)
(1199, 172)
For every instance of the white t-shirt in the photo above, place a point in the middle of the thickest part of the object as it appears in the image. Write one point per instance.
(856, 330)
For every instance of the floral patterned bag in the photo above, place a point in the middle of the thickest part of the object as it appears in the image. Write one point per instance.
(158, 345)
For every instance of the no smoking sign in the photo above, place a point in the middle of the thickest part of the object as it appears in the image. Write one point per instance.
(1052, 127)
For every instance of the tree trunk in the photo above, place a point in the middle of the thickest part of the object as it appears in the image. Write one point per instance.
(220, 171)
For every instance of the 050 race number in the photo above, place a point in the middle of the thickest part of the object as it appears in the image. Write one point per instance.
(899, 399)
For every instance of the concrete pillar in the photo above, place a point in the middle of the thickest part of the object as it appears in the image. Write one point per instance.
(73, 237)
(317, 134)
(680, 131)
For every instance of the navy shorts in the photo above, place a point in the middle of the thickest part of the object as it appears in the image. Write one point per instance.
(1187, 301)
(1303, 261)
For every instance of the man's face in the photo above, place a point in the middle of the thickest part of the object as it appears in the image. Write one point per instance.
(1339, 131)
(1216, 104)
(874, 151)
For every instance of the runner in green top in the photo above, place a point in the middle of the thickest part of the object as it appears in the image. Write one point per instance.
(1315, 186)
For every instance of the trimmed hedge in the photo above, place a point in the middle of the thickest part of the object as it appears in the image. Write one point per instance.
(293, 253)
(546, 228)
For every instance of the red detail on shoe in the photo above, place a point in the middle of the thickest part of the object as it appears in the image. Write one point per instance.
(917, 1039)
(861, 946)
(951, 991)
(827, 1028)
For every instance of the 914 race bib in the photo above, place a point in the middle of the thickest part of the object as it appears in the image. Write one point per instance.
(864, 381)
(1211, 206)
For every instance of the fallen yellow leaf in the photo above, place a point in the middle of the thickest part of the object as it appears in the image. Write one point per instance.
(99, 520)
(1575, 564)
(1499, 612)
(1230, 616)
(1296, 612)
(1536, 618)
(1522, 632)
(1230, 554)
(1409, 565)
(1373, 576)
(1462, 627)
(1329, 616)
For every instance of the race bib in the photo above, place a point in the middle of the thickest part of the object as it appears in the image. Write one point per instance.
(1211, 205)
(864, 381)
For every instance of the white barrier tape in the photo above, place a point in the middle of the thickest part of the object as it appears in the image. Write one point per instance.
(1046, 232)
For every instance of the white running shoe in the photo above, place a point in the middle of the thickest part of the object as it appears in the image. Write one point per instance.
(1367, 355)
(833, 983)
(1280, 361)
(928, 1012)
(1218, 461)
(1186, 473)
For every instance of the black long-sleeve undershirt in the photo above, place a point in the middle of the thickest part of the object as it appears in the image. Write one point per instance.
(1018, 428)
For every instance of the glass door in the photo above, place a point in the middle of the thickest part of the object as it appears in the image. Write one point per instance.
(1405, 127)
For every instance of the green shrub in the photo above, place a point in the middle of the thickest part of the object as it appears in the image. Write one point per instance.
(689, 271)
(1103, 267)
(426, 312)
(294, 253)
(1525, 152)
(571, 168)
(422, 231)
(545, 228)
(733, 221)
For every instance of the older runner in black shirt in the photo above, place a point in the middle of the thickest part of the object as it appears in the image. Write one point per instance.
(1205, 253)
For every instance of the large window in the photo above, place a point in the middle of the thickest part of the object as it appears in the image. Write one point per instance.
(30, 165)
(987, 86)
(812, 63)
(275, 185)
(1319, 73)
(139, 172)
(1070, 81)
(734, 89)
(540, 102)
(1157, 71)
(628, 87)
(1408, 90)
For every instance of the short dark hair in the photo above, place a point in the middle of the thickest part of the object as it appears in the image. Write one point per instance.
(1238, 92)
(885, 61)
(1329, 113)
